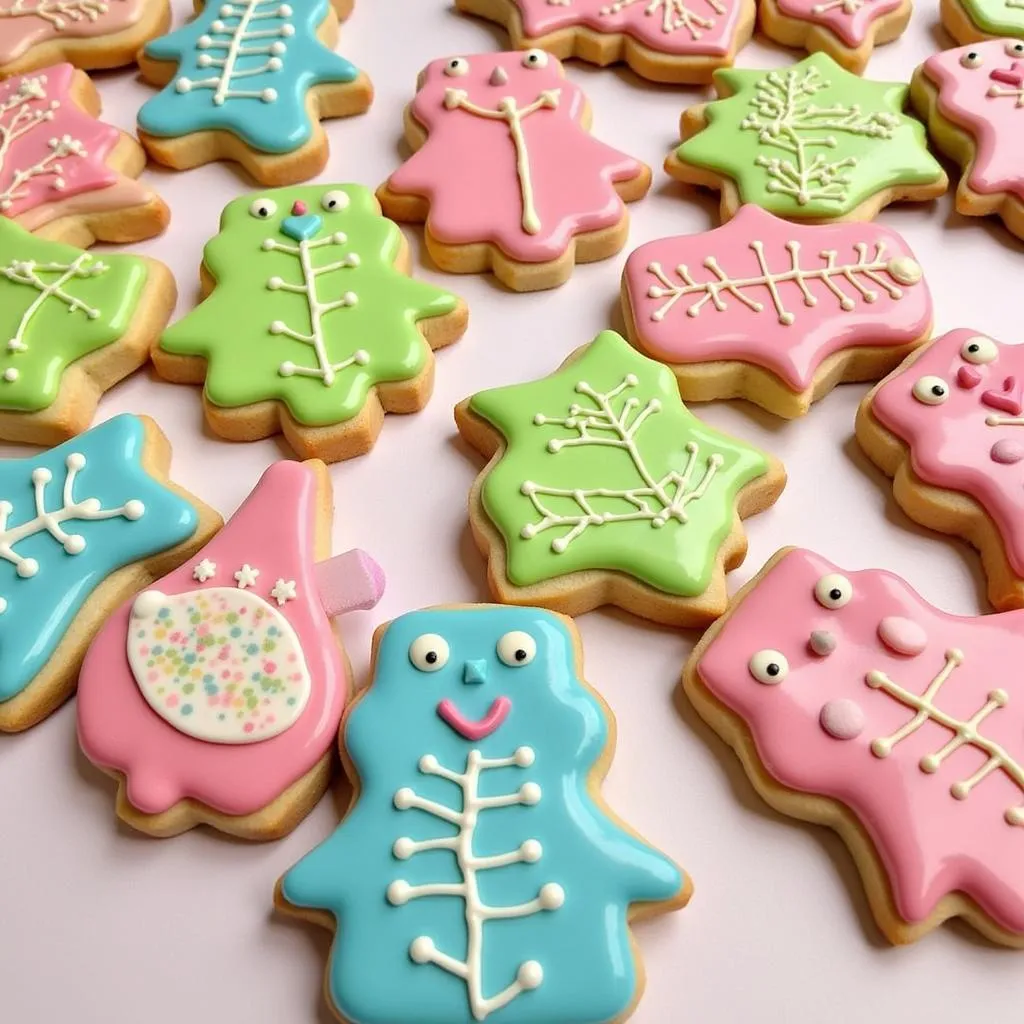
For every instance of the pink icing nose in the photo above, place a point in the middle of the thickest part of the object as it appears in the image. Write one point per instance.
(968, 377)
(1007, 452)
(842, 719)
(902, 635)
(299, 208)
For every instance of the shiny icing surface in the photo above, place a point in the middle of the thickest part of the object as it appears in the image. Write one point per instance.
(997, 17)
(27, 23)
(851, 21)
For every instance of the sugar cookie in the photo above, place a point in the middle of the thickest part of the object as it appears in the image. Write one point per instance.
(971, 21)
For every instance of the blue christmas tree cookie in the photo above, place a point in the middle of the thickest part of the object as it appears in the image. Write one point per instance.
(478, 874)
(249, 81)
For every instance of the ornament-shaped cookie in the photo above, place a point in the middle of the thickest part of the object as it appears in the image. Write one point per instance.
(82, 526)
(493, 882)
(971, 21)
(505, 173)
(250, 81)
(774, 312)
(215, 695)
(64, 175)
(603, 488)
(328, 332)
(854, 703)
(811, 142)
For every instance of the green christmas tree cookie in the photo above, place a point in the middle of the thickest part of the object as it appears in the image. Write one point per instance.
(311, 326)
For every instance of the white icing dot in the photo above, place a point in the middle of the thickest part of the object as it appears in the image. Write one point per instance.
(75, 544)
(277, 327)
(350, 298)
(284, 11)
(218, 101)
(287, 368)
(3, 605)
(422, 949)
(404, 798)
(10, 375)
(134, 509)
(148, 603)
(288, 30)
(76, 461)
(531, 851)
(530, 974)
(274, 64)
(278, 47)
(274, 283)
(267, 244)
(403, 848)
(428, 763)
(529, 793)
(551, 896)
(352, 259)
(28, 568)
(41, 475)
(6, 508)
(558, 545)
(360, 357)
(226, 11)
(183, 85)
(204, 60)
(217, 26)
(204, 42)
(1015, 816)
(340, 237)
(268, 95)
(524, 756)
(398, 893)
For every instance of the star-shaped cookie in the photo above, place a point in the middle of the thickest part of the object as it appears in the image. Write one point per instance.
(971, 21)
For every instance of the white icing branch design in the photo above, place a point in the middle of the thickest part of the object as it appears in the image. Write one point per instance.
(965, 733)
(57, 12)
(676, 15)
(783, 118)
(325, 370)
(50, 521)
(550, 897)
(653, 501)
(845, 6)
(860, 274)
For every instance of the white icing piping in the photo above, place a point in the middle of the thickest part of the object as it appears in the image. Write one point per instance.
(845, 6)
(55, 11)
(675, 14)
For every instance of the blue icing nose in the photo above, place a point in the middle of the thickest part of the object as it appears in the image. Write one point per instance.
(475, 672)
(301, 228)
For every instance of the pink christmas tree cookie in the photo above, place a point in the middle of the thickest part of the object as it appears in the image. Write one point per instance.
(506, 174)
(775, 312)
(847, 30)
(973, 101)
(215, 695)
(65, 175)
(854, 703)
(678, 41)
(945, 426)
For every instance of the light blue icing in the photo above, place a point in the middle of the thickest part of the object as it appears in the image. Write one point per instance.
(583, 945)
(278, 61)
(40, 607)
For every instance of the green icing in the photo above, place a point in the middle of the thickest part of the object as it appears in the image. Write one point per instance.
(366, 308)
(605, 468)
(996, 17)
(57, 304)
(811, 140)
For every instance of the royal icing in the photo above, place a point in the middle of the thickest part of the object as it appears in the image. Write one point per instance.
(69, 518)
(605, 468)
(851, 21)
(245, 67)
(320, 314)
(811, 140)
(27, 23)
(778, 295)
(205, 686)
(490, 881)
(995, 17)
(507, 159)
(922, 741)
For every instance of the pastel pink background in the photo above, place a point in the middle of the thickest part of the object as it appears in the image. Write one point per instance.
(102, 926)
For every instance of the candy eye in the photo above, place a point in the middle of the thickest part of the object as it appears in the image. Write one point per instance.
(262, 208)
(931, 390)
(1015, 49)
(535, 59)
(334, 200)
(979, 350)
(971, 59)
(429, 652)
(517, 648)
(456, 67)
(769, 667)
(833, 591)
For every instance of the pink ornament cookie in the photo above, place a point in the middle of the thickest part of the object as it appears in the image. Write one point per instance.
(65, 175)
(944, 425)
(973, 101)
(215, 695)
(506, 174)
(854, 703)
(775, 312)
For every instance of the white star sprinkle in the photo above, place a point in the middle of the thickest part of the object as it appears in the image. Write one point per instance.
(204, 571)
(246, 576)
(284, 590)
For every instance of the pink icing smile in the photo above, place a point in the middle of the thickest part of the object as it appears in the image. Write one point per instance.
(475, 731)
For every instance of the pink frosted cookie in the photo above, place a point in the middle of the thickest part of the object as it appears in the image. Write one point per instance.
(64, 175)
(506, 174)
(678, 41)
(973, 101)
(774, 312)
(215, 695)
(88, 33)
(944, 425)
(847, 30)
(854, 703)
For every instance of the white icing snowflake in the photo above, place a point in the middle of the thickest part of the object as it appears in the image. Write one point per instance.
(246, 576)
(205, 570)
(284, 591)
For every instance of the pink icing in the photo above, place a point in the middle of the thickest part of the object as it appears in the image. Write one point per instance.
(449, 713)
(850, 20)
(692, 327)
(986, 100)
(904, 636)
(67, 19)
(467, 168)
(930, 841)
(951, 443)
(686, 29)
(273, 531)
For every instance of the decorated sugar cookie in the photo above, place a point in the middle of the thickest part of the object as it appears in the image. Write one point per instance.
(65, 175)
(506, 174)
(493, 883)
(82, 526)
(948, 425)
(214, 696)
(327, 330)
(973, 101)
(88, 33)
(602, 488)
(665, 40)
(71, 326)
(854, 703)
(811, 142)
(250, 81)
(971, 21)
(847, 30)
(775, 312)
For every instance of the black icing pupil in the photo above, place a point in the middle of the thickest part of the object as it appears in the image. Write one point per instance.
(430, 657)
(772, 669)
(264, 212)
(520, 655)
(973, 348)
(835, 593)
(938, 390)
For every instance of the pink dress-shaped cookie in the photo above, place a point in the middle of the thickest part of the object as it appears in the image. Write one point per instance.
(219, 688)
(849, 686)
(507, 173)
